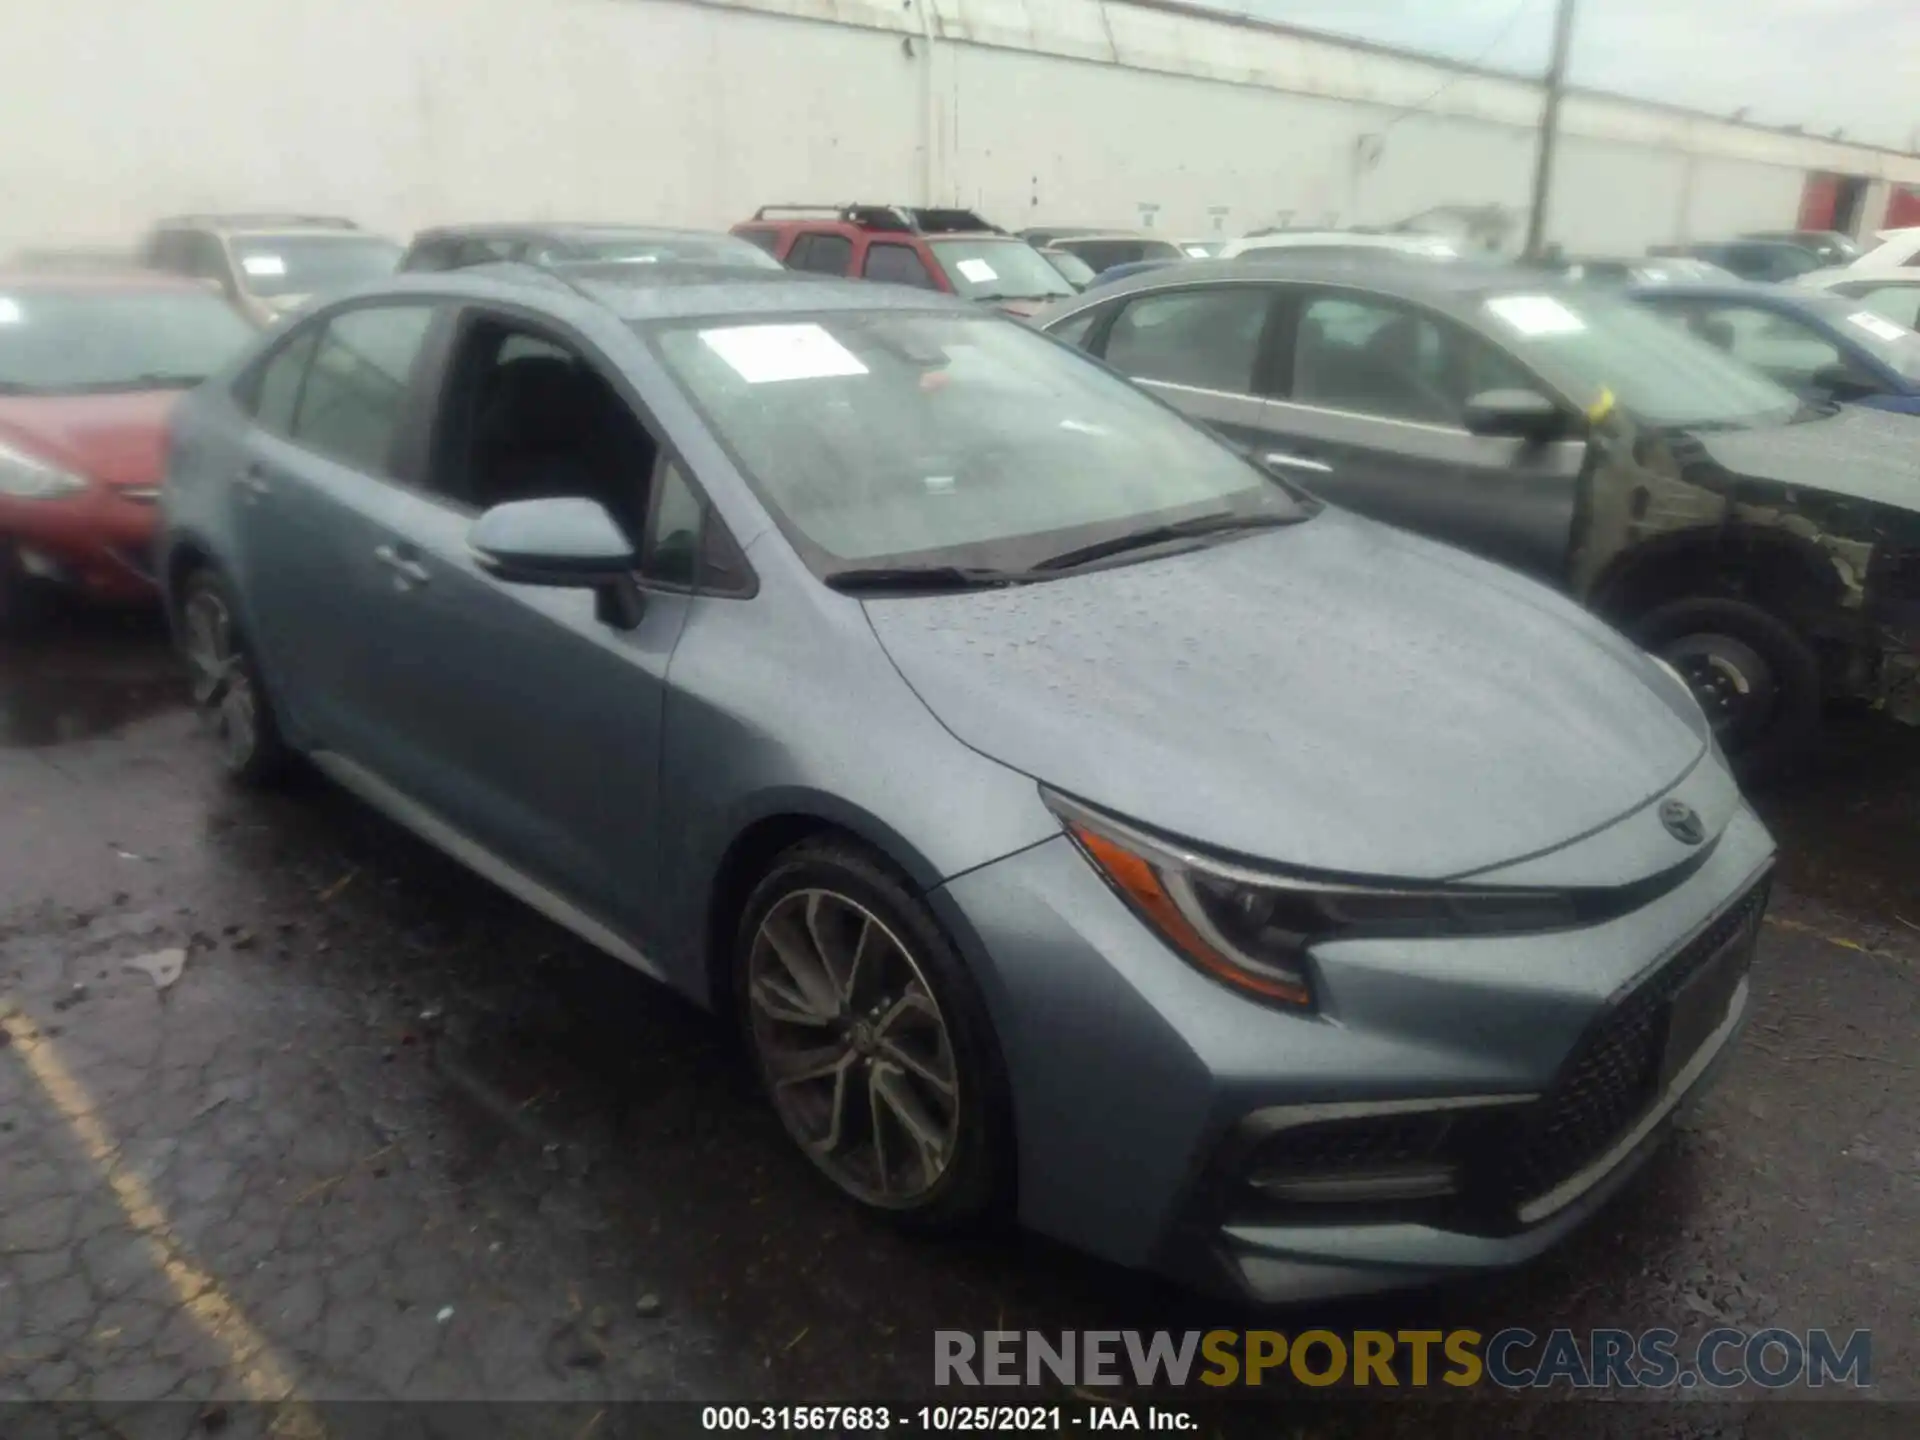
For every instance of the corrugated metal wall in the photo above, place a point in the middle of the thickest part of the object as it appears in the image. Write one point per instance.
(408, 112)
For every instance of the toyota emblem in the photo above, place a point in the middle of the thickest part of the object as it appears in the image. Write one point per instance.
(1682, 822)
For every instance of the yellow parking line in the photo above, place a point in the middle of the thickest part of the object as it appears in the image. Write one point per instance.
(260, 1373)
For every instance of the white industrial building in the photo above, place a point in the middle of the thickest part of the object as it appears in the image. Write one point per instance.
(1105, 112)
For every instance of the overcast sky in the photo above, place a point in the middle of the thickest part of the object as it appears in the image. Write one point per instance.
(1818, 63)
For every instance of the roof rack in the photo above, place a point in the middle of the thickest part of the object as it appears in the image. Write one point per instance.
(915, 220)
(262, 217)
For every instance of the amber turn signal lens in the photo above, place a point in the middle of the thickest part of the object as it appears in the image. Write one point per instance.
(1140, 883)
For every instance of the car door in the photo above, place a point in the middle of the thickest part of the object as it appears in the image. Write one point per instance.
(1198, 347)
(1369, 412)
(526, 723)
(330, 407)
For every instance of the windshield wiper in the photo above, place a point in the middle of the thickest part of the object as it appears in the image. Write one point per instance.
(1161, 535)
(923, 577)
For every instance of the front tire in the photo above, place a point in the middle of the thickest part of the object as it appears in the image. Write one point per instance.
(227, 691)
(1753, 674)
(871, 1040)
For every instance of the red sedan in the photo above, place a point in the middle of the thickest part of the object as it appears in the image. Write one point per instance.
(90, 368)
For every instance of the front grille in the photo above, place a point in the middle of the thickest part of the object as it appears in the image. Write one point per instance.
(1613, 1075)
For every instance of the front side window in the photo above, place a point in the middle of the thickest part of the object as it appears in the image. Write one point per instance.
(821, 254)
(672, 554)
(898, 264)
(1889, 340)
(1378, 358)
(992, 268)
(357, 385)
(276, 388)
(892, 438)
(98, 339)
(1209, 339)
(274, 265)
(1592, 345)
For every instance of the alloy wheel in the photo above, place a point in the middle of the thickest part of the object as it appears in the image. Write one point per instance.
(854, 1046)
(223, 689)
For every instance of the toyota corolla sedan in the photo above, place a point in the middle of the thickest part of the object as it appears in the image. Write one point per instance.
(1079, 823)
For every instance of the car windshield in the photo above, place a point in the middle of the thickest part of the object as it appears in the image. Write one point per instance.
(275, 265)
(1888, 341)
(903, 438)
(71, 341)
(699, 249)
(1593, 345)
(1105, 252)
(1007, 269)
(1077, 271)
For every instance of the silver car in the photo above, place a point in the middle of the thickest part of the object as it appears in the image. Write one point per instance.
(1078, 823)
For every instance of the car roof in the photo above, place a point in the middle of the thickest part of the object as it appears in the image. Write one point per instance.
(130, 278)
(1443, 283)
(564, 230)
(678, 290)
(1746, 290)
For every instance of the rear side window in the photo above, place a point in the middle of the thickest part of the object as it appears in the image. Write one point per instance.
(823, 254)
(356, 386)
(899, 264)
(1209, 339)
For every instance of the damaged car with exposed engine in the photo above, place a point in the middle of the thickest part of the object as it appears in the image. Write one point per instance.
(1764, 545)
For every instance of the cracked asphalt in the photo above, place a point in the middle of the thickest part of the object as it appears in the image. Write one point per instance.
(389, 1134)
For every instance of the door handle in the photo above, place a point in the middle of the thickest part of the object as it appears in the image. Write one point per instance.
(407, 570)
(1296, 462)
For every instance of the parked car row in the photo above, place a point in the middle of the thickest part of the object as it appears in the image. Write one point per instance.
(1029, 733)
(1080, 820)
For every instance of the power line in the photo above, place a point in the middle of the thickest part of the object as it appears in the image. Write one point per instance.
(1506, 30)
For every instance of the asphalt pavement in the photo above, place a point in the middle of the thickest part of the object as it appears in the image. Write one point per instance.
(293, 1106)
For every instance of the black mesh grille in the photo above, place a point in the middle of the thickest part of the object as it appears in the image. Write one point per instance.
(1612, 1077)
(1375, 1142)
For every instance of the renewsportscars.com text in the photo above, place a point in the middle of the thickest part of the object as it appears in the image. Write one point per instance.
(1513, 1358)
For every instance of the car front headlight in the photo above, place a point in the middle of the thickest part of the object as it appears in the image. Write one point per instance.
(1252, 928)
(27, 477)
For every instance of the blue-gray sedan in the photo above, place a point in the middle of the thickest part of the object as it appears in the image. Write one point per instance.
(1080, 823)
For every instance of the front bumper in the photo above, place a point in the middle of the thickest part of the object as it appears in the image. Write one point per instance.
(1147, 1098)
(99, 541)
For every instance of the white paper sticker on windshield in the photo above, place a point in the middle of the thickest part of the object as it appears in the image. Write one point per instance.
(762, 354)
(10, 311)
(1198, 252)
(265, 266)
(1878, 325)
(1536, 315)
(978, 271)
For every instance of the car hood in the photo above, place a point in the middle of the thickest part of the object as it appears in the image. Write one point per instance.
(1858, 451)
(119, 438)
(1336, 695)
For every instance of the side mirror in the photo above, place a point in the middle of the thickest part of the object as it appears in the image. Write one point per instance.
(1517, 414)
(1842, 382)
(565, 542)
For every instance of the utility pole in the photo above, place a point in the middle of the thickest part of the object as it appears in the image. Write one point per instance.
(1549, 126)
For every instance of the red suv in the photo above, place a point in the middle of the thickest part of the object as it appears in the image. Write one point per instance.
(951, 250)
(90, 367)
